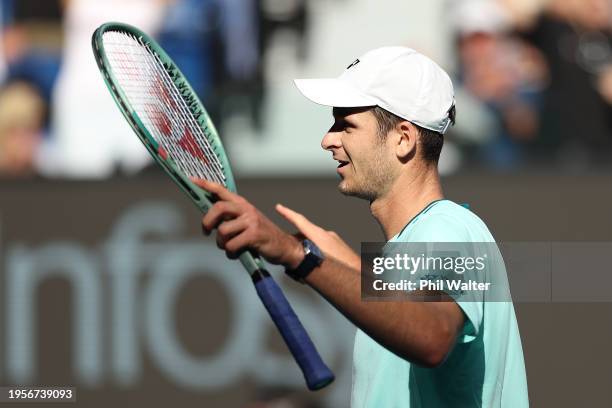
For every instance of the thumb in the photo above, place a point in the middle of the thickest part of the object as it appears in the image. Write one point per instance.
(298, 220)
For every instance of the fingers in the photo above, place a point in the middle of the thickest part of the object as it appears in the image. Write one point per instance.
(299, 221)
(237, 244)
(328, 241)
(219, 212)
(229, 230)
(215, 188)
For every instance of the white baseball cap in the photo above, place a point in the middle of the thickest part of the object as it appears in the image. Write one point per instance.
(398, 79)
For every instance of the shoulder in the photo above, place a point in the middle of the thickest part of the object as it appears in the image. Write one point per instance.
(447, 221)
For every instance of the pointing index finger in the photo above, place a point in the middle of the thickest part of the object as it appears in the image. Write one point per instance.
(215, 188)
(298, 220)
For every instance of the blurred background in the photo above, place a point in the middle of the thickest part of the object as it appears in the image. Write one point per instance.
(105, 281)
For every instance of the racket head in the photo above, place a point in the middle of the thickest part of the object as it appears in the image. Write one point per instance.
(116, 71)
(161, 107)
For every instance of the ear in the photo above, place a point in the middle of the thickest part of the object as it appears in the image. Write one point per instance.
(407, 140)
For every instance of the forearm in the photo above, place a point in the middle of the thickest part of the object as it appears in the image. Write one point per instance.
(417, 331)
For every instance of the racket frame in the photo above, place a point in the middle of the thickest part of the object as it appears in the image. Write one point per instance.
(195, 106)
(316, 373)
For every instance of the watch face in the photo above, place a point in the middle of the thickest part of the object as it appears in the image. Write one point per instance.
(311, 248)
(313, 258)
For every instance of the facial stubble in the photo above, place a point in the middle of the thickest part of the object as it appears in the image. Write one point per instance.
(372, 178)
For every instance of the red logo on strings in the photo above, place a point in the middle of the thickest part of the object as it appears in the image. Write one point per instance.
(161, 121)
(187, 141)
(160, 89)
(190, 145)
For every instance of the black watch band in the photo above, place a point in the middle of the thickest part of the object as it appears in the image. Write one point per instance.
(312, 259)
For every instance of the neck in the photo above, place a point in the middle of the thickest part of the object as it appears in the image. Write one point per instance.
(410, 193)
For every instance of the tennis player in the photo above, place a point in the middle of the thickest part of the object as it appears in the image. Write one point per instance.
(391, 108)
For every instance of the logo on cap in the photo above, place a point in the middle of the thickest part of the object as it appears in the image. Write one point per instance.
(353, 63)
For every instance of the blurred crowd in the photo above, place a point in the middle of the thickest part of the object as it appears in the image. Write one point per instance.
(535, 82)
(533, 78)
(57, 119)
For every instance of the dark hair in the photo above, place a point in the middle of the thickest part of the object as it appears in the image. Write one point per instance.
(431, 141)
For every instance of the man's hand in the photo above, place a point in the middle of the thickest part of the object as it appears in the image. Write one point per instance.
(328, 241)
(241, 226)
(417, 331)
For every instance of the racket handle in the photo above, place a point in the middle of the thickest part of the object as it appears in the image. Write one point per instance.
(316, 373)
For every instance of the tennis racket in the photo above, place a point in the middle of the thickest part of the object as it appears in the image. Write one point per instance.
(172, 123)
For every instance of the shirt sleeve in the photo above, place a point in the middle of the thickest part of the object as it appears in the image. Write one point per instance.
(442, 228)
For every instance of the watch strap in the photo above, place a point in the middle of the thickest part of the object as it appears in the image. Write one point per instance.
(312, 259)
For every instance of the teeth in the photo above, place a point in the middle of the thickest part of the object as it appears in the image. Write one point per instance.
(341, 162)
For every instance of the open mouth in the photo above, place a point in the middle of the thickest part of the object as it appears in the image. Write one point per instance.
(342, 163)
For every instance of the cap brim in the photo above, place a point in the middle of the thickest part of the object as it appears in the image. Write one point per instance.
(333, 92)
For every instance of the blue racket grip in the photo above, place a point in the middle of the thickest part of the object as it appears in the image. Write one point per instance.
(316, 373)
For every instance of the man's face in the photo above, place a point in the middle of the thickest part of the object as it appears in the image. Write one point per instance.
(365, 158)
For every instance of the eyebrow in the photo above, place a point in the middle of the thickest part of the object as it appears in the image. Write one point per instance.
(344, 120)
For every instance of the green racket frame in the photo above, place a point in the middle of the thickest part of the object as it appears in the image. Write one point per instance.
(316, 373)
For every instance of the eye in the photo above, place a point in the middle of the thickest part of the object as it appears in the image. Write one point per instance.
(343, 125)
(348, 126)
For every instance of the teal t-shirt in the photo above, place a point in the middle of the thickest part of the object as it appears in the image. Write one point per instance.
(486, 366)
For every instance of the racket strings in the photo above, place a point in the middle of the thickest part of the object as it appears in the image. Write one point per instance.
(167, 101)
(190, 146)
(154, 111)
(191, 140)
(183, 154)
(160, 105)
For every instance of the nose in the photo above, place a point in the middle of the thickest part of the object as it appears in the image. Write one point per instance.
(331, 140)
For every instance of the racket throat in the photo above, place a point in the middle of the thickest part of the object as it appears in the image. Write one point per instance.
(259, 275)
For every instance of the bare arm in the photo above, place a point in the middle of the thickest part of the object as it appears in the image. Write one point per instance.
(420, 332)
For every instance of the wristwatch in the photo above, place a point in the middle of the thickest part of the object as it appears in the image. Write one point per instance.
(312, 258)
